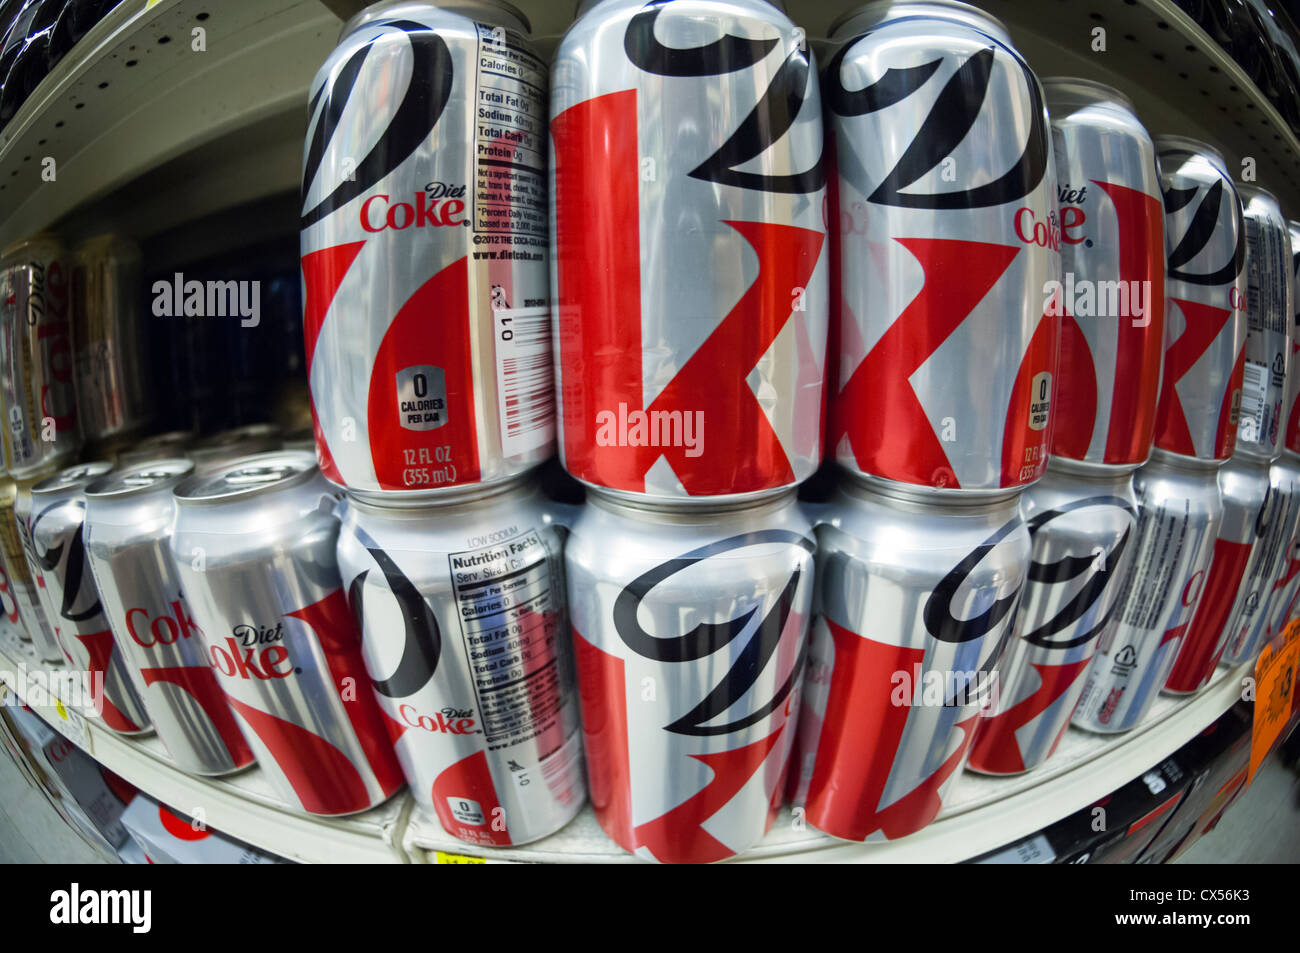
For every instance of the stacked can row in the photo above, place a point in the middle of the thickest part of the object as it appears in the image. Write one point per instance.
(694, 285)
(688, 580)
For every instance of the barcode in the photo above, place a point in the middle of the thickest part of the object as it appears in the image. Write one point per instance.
(525, 391)
(1254, 392)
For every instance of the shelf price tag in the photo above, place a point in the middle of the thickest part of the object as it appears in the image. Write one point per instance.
(443, 857)
(72, 725)
(1275, 676)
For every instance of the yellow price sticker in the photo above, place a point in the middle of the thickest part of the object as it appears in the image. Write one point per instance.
(442, 857)
(1275, 677)
(73, 725)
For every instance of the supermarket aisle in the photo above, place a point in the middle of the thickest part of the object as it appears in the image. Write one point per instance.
(30, 830)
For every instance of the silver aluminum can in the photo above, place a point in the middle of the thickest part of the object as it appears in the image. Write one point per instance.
(916, 601)
(129, 516)
(1291, 412)
(1179, 512)
(1248, 628)
(1287, 584)
(254, 544)
(216, 450)
(1249, 507)
(39, 627)
(1112, 276)
(424, 250)
(944, 194)
(466, 637)
(1205, 302)
(161, 446)
(690, 626)
(1270, 315)
(1286, 581)
(70, 599)
(1081, 522)
(108, 330)
(689, 249)
(37, 387)
(22, 605)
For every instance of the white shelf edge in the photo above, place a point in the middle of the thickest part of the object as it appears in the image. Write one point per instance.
(371, 837)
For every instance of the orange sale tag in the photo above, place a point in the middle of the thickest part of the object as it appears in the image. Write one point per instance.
(1275, 675)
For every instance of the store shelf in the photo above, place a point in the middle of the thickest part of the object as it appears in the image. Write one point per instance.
(183, 133)
(180, 135)
(1179, 79)
(982, 813)
(242, 805)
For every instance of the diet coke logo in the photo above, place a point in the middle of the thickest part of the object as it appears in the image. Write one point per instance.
(1210, 216)
(438, 205)
(956, 109)
(148, 631)
(253, 652)
(447, 721)
(708, 638)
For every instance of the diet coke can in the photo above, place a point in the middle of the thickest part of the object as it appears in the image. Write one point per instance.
(1179, 512)
(688, 197)
(1287, 583)
(1081, 522)
(915, 604)
(71, 601)
(1249, 508)
(1112, 276)
(945, 200)
(1270, 313)
(690, 626)
(254, 544)
(129, 517)
(424, 250)
(1205, 291)
(111, 387)
(22, 605)
(1248, 627)
(466, 638)
(36, 358)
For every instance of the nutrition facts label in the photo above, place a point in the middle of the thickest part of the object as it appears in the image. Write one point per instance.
(1162, 535)
(509, 138)
(509, 620)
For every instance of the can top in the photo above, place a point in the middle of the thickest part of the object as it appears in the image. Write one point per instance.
(47, 239)
(1070, 90)
(880, 12)
(75, 477)
(907, 496)
(107, 244)
(672, 511)
(1193, 146)
(247, 477)
(582, 6)
(424, 506)
(1177, 461)
(474, 9)
(1250, 192)
(141, 478)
